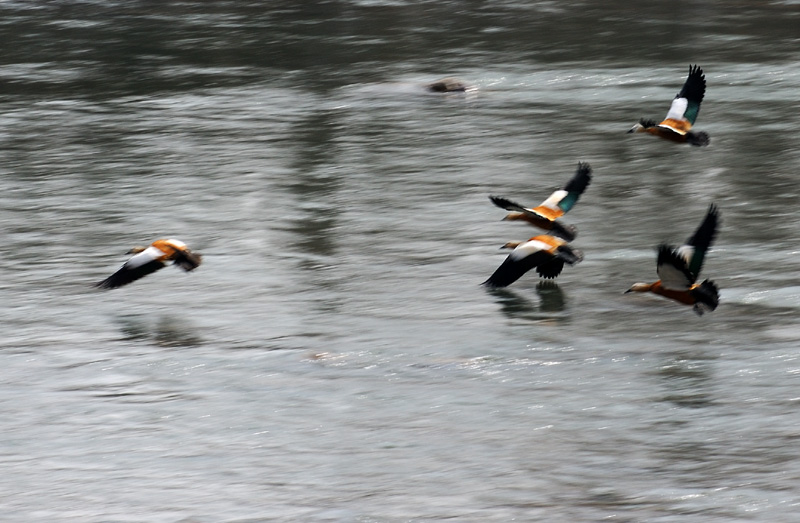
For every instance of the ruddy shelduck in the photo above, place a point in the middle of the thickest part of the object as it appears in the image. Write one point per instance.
(546, 215)
(682, 113)
(678, 269)
(546, 253)
(150, 259)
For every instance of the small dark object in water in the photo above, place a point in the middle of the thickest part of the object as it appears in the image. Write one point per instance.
(447, 85)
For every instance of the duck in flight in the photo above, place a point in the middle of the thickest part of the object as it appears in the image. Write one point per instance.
(546, 215)
(678, 269)
(682, 113)
(546, 253)
(149, 259)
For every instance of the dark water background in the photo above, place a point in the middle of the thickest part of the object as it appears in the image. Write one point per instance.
(335, 359)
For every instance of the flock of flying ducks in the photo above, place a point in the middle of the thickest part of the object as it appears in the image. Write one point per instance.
(677, 268)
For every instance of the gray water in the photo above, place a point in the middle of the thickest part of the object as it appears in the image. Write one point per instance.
(335, 358)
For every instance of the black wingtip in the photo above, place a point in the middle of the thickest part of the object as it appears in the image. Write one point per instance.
(585, 168)
(498, 200)
(551, 268)
(695, 86)
(581, 179)
(491, 284)
(105, 284)
(707, 231)
(695, 70)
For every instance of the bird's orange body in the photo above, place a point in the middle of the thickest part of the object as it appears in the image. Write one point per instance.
(549, 212)
(169, 247)
(551, 241)
(666, 133)
(147, 260)
(678, 269)
(684, 297)
(683, 111)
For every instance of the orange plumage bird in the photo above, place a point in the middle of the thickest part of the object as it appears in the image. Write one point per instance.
(545, 215)
(546, 253)
(678, 269)
(149, 259)
(682, 113)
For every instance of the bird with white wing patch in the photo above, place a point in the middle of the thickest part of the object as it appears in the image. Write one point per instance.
(682, 113)
(147, 260)
(678, 269)
(545, 215)
(546, 253)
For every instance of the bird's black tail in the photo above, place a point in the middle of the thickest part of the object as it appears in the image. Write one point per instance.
(188, 260)
(706, 296)
(700, 139)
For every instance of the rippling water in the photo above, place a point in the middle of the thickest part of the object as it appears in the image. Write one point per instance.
(335, 358)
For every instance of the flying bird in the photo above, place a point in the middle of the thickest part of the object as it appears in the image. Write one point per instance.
(678, 269)
(147, 260)
(546, 253)
(682, 113)
(546, 215)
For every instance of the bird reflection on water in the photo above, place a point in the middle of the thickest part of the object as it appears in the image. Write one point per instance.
(551, 304)
(686, 379)
(164, 331)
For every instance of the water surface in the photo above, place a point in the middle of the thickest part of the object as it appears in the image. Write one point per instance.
(335, 358)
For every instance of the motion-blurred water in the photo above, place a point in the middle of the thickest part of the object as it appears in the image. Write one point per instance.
(335, 358)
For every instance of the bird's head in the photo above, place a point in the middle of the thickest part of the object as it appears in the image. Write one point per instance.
(639, 287)
(637, 128)
(641, 126)
(136, 250)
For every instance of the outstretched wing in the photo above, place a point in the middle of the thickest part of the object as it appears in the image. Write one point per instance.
(521, 260)
(517, 212)
(694, 251)
(686, 105)
(550, 268)
(563, 254)
(505, 203)
(547, 254)
(139, 266)
(672, 269)
(562, 200)
(558, 203)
